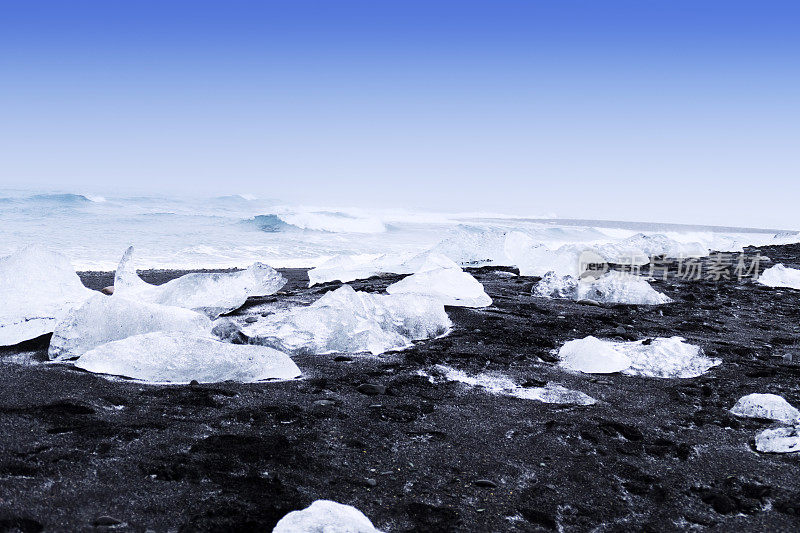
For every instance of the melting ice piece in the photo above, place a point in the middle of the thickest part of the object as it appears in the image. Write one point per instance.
(611, 287)
(593, 356)
(766, 406)
(346, 268)
(210, 293)
(780, 276)
(639, 248)
(536, 259)
(169, 357)
(37, 287)
(103, 319)
(447, 285)
(778, 440)
(473, 245)
(499, 384)
(661, 357)
(348, 321)
(325, 516)
(666, 357)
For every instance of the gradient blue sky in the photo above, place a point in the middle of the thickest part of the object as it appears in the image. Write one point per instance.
(684, 111)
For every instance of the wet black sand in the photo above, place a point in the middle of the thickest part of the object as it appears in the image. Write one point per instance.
(79, 452)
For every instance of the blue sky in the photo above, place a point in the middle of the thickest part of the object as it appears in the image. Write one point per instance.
(684, 111)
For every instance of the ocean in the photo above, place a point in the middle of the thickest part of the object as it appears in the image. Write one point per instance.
(234, 231)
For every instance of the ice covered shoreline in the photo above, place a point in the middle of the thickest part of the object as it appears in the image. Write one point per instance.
(352, 429)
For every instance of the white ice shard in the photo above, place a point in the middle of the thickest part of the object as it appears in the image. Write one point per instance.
(766, 406)
(611, 287)
(325, 516)
(593, 356)
(37, 287)
(779, 440)
(504, 385)
(102, 319)
(348, 321)
(447, 285)
(661, 357)
(210, 293)
(169, 357)
(780, 276)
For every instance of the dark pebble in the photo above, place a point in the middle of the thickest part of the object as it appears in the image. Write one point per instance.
(342, 358)
(485, 483)
(371, 389)
(251, 319)
(106, 521)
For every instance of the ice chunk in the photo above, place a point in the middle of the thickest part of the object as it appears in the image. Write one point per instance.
(500, 384)
(621, 287)
(325, 516)
(553, 285)
(37, 287)
(474, 245)
(661, 357)
(536, 259)
(780, 276)
(346, 268)
(639, 248)
(666, 357)
(103, 319)
(210, 293)
(348, 321)
(426, 261)
(778, 440)
(593, 356)
(447, 285)
(170, 357)
(766, 406)
(554, 393)
(611, 287)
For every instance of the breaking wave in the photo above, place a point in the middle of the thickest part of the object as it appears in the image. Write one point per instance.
(323, 221)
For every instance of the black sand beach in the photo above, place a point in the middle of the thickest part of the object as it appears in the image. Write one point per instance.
(82, 452)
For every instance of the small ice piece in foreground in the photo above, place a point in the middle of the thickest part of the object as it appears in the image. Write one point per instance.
(37, 287)
(102, 319)
(780, 276)
(500, 384)
(778, 440)
(593, 356)
(621, 287)
(447, 285)
(767, 407)
(660, 358)
(168, 357)
(210, 293)
(325, 516)
(611, 287)
(348, 321)
(554, 393)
